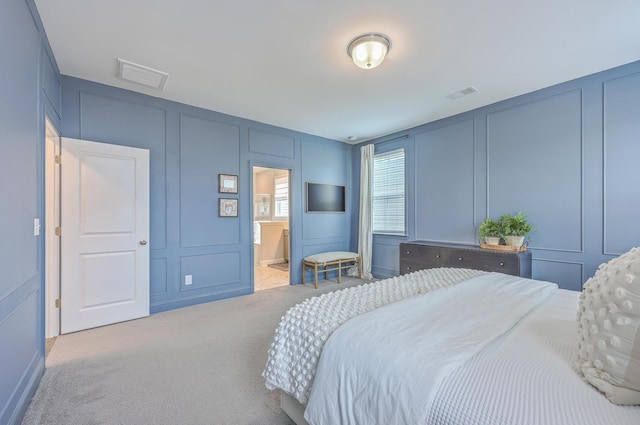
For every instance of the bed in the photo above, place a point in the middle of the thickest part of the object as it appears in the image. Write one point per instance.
(435, 346)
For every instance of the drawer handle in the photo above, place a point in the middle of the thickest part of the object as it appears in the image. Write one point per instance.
(408, 268)
(408, 252)
(502, 264)
(459, 258)
(437, 255)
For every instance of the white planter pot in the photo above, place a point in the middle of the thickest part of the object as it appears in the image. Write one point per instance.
(491, 240)
(514, 240)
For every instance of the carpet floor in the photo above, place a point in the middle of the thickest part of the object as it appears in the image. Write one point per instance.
(195, 365)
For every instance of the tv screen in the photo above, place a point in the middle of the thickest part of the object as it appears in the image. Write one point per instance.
(325, 198)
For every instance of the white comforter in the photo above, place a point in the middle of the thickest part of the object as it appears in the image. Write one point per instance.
(362, 377)
(300, 337)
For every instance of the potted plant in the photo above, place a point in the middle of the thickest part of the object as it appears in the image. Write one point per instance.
(491, 231)
(516, 228)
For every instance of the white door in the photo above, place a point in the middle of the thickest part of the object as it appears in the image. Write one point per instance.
(105, 233)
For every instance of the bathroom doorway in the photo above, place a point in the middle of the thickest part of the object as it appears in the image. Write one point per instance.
(271, 206)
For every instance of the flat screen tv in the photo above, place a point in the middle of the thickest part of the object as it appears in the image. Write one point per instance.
(325, 198)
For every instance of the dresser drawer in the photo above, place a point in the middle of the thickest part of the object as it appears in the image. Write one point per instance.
(488, 261)
(418, 256)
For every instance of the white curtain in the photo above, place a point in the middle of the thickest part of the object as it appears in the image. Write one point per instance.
(365, 238)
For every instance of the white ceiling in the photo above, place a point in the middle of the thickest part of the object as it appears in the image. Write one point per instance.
(284, 62)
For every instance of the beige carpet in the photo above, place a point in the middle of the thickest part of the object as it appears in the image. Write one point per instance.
(196, 365)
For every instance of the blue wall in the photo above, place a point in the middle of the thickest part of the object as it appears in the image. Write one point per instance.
(575, 147)
(566, 155)
(30, 87)
(189, 148)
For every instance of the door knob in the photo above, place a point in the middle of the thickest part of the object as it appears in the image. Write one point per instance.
(143, 242)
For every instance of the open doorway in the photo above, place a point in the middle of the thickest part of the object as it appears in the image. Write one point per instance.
(271, 202)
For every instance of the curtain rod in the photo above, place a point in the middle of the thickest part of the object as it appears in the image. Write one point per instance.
(406, 136)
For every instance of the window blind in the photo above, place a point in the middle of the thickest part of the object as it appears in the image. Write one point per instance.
(388, 192)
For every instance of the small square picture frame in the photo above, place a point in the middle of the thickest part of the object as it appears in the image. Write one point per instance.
(228, 207)
(227, 183)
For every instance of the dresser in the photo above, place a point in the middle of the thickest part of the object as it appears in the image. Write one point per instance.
(418, 255)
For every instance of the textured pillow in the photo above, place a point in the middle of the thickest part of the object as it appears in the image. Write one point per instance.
(609, 327)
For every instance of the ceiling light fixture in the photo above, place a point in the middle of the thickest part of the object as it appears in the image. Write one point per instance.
(369, 50)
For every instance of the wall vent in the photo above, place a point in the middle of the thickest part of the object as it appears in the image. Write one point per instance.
(463, 92)
(140, 74)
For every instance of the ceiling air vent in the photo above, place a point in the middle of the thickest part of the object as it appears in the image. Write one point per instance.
(144, 75)
(462, 92)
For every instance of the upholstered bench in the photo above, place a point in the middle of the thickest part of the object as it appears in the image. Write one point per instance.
(330, 261)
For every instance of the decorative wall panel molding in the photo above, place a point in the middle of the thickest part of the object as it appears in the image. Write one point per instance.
(621, 105)
(535, 165)
(567, 274)
(139, 126)
(271, 144)
(445, 183)
(207, 148)
(157, 276)
(220, 271)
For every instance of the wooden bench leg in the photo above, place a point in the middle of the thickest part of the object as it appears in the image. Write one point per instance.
(341, 264)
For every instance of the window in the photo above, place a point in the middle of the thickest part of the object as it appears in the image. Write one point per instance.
(388, 192)
(282, 196)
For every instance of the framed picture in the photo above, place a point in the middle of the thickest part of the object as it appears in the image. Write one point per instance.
(228, 183)
(228, 207)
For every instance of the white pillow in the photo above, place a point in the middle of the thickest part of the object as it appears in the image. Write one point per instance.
(609, 327)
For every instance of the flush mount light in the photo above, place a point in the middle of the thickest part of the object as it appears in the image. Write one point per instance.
(369, 50)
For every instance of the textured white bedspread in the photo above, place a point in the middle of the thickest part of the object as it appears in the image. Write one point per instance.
(529, 377)
(298, 341)
(364, 377)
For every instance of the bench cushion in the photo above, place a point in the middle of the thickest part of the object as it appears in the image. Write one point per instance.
(328, 257)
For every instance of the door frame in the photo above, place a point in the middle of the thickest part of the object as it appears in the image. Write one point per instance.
(52, 220)
(264, 164)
